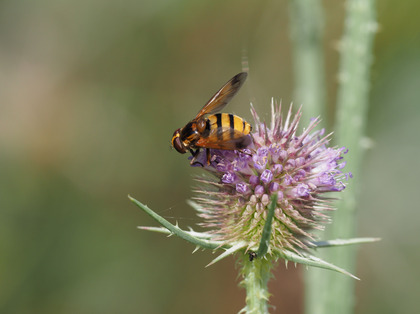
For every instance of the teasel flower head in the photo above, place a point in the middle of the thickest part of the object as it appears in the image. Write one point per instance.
(299, 167)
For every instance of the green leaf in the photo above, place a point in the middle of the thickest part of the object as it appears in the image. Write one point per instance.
(314, 261)
(199, 235)
(175, 229)
(237, 247)
(342, 242)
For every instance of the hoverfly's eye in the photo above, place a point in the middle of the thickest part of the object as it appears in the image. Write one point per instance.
(177, 143)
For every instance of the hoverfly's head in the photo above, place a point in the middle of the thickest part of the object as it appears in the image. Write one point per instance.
(177, 143)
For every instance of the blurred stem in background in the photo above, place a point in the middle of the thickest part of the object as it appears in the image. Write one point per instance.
(327, 292)
(306, 26)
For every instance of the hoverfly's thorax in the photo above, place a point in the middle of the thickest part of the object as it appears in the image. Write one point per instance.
(202, 125)
(188, 130)
(189, 133)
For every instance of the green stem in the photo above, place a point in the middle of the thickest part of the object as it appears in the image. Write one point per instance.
(306, 24)
(329, 293)
(256, 274)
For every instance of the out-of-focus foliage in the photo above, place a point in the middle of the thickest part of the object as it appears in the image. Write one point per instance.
(90, 94)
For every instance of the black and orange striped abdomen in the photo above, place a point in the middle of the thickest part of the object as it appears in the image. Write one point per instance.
(221, 121)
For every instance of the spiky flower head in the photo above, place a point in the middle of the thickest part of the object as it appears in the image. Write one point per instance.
(300, 168)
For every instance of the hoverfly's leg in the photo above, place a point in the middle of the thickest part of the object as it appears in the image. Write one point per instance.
(208, 156)
(242, 151)
(194, 159)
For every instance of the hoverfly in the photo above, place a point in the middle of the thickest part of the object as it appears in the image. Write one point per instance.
(220, 131)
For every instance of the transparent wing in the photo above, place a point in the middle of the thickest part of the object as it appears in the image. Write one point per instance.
(223, 96)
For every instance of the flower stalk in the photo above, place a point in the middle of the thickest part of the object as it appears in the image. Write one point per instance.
(256, 274)
(352, 104)
(356, 53)
(306, 33)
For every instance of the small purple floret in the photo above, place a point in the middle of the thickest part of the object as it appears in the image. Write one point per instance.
(326, 179)
(259, 162)
(262, 152)
(302, 190)
(277, 168)
(242, 188)
(287, 180)
(259, 190)
(266, 176)
(254, 180)
(245, 154)
(229, 178)
(274, 186)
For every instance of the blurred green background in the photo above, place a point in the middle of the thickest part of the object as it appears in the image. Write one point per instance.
(90, 94)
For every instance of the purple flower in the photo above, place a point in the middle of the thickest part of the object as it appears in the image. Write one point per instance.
(229, 177)
(259, 190)
(259, 161)
(254, 180)
(300, 168)
(274, 186)
(266, 176)
(326, 179)
(277, 168)
(242, 188)
(287, 179)
(301, 190)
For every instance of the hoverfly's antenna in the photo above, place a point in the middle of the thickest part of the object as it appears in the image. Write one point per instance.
(245, 68)
(244, 61)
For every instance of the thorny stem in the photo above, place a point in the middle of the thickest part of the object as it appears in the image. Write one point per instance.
(352, 103)
(306, 24)
(256, 274)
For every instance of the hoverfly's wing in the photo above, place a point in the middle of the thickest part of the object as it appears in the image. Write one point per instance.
(225, 138)
(223, 96)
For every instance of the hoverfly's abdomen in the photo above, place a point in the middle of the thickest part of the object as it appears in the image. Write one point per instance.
(222, 121)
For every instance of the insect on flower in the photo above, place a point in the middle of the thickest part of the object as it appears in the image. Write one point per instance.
(252, 256)
(223, 131)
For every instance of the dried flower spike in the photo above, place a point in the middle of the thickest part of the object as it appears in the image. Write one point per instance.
(299, 168)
